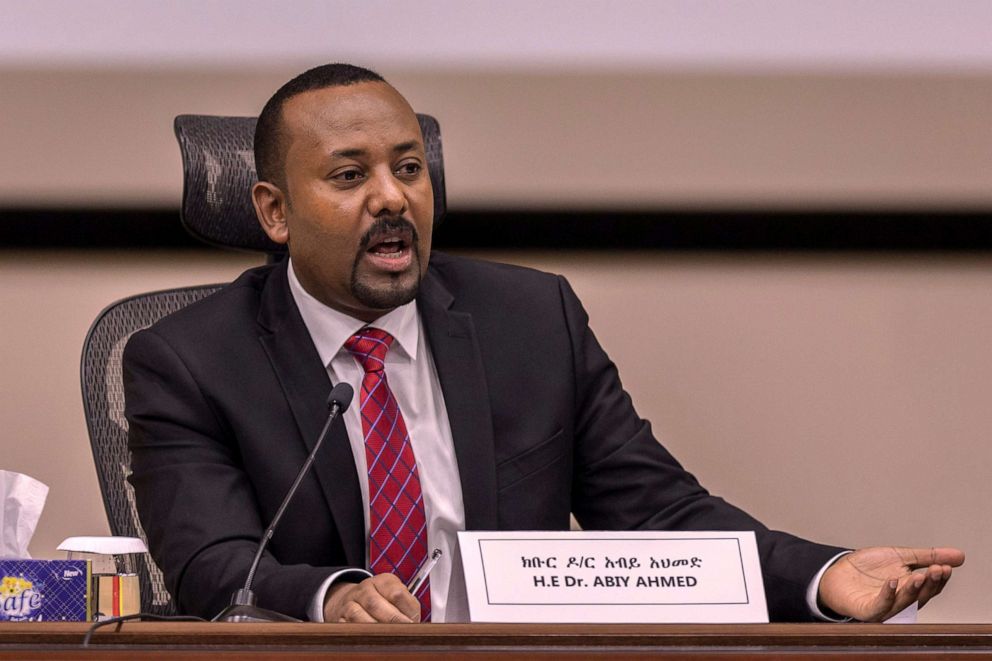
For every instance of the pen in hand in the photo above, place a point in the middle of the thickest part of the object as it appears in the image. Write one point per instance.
(425, 570)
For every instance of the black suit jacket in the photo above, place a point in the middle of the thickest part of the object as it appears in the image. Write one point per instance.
(226, 397)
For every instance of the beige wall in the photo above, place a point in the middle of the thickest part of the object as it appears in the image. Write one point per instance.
(610, 140)
(845, 399)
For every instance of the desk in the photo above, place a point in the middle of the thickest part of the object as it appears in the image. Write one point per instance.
(161, 641)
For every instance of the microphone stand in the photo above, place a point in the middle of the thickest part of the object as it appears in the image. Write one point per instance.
(243, 608)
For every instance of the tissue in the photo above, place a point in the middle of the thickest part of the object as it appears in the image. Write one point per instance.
(23, 499)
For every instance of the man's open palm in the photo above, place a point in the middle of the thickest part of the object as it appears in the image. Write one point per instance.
(875, 583)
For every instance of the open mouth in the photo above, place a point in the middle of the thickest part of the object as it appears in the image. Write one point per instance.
(391, 249)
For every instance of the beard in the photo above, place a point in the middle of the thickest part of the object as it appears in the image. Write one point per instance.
(390, 290)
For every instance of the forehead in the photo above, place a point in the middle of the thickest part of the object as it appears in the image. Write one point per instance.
(364, 115)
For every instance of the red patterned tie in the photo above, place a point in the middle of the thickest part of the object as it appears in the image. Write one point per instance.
(397, 525)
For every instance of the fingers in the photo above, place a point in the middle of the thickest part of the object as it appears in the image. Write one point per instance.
(895, 595)
(883, 603)
(382, 598)
(921, 557)
(394, 592)
(936, 578)
(355, 613)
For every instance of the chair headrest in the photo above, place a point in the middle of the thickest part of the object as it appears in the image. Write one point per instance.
(219, 171)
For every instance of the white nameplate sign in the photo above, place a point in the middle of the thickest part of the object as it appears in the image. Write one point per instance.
(613, 576)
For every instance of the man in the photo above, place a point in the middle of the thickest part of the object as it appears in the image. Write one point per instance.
(483, 402)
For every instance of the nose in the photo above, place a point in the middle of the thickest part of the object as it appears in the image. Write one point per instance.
(385, 195)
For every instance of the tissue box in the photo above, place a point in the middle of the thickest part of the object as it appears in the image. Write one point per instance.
(45, 590)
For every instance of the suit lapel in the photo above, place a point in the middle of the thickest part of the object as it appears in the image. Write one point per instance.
(460, 370)
(306, 386)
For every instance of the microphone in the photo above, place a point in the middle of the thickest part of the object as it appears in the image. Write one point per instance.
(243, 608)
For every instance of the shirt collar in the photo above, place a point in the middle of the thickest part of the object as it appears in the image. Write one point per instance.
(330, 329)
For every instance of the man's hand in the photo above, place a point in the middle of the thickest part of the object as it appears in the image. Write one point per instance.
(382, 598)
(873, 584)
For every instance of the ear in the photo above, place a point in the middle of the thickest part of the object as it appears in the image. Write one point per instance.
(270, 207)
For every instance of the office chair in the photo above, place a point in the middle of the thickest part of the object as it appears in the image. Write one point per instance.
(218, 173)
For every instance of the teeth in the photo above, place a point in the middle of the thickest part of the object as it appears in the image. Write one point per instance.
(389, 247)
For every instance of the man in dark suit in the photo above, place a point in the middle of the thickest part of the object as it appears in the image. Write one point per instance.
(501, 410)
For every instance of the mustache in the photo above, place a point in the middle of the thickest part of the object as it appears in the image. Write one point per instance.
(387, 225)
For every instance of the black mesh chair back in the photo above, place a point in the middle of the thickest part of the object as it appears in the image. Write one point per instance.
(219, 171)
(103, 404)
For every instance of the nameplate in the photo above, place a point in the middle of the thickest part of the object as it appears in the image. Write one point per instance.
(587, 576)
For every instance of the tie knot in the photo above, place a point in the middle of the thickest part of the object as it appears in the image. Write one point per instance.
(369, 347)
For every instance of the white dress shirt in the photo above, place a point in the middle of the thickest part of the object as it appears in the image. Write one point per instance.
(409, 368)
(410, 365)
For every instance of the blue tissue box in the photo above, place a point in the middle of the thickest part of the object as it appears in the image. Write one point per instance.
(45, 590)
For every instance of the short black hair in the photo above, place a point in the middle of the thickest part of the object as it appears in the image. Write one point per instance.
(269, 144)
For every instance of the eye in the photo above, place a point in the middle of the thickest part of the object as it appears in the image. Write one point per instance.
(349, 175)
(409, 169)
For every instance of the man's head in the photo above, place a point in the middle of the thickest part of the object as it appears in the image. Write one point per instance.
(343, 181)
